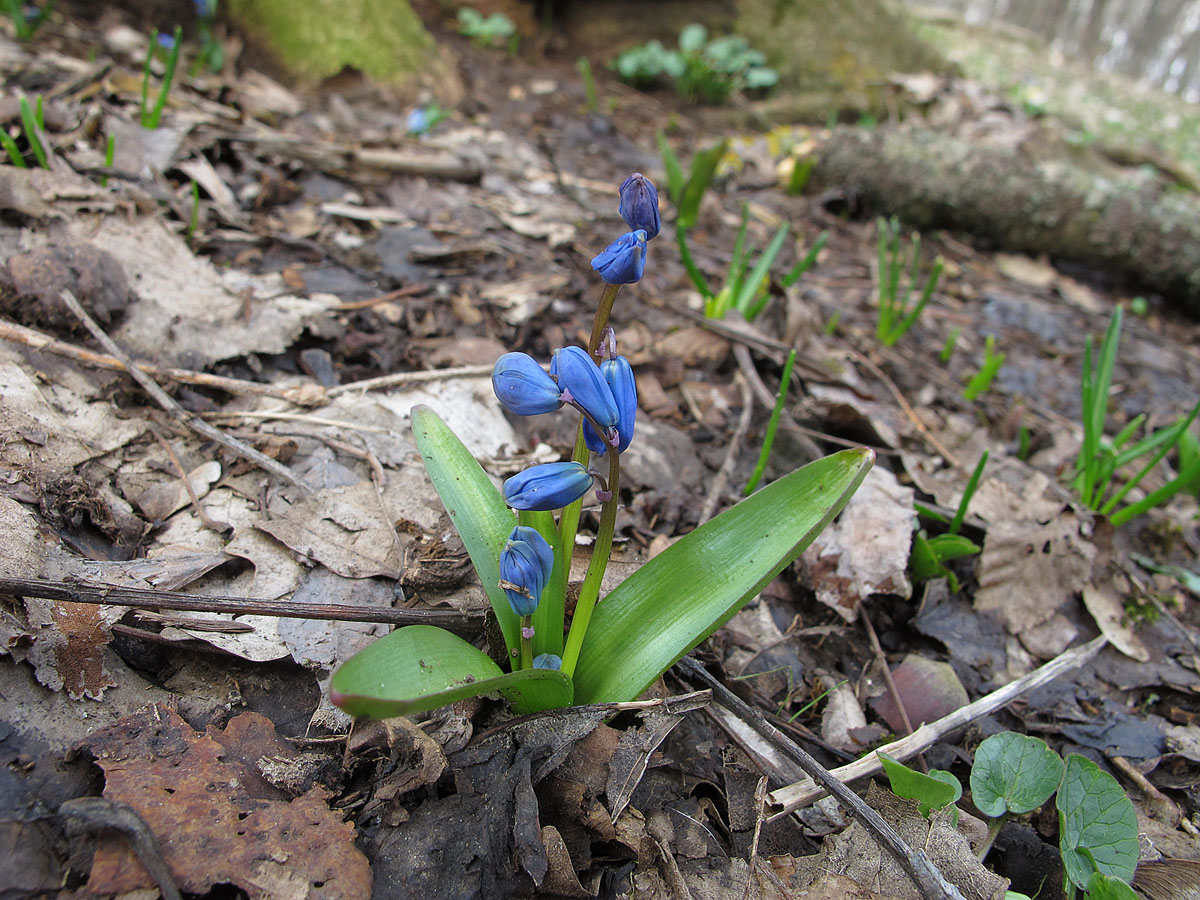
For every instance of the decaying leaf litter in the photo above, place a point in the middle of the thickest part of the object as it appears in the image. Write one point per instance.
(320, 263)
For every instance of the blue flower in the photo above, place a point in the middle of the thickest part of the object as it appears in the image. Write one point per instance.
(618, 374)
(166, 41)
(206, 9)
(624, 260)
(547, 661)
(418, 121)
(639, 205)
(581, 383)
(548, 486)
(523, 386)
(525, 563)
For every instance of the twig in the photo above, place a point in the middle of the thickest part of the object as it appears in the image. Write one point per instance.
(218, 527)
(931, 883)
(806, 792)
(99, 815)
(735, 443)
(464, 624)
(281, 416)
(383, 381)
(166, 402)
(29, 337)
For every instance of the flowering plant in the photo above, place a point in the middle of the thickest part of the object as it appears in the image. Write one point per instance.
(613, 649)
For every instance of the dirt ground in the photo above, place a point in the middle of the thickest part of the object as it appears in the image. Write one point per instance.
(335, 272)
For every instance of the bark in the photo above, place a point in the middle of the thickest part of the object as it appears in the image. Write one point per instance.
(1128, 223)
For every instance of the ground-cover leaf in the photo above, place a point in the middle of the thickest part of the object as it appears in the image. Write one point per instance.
(1096, 822)
(933, 791)
(689, 590)
(476, 508)
(1106, 887)
(1014, 773)
(420, 667)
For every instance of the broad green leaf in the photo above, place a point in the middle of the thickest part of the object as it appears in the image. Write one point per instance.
(420, 667)
(704, 166)
(1096, 824)
(1014, 773)
(930, 791)
(475, 507)
(922, 561)
(692, 588)
(1105, 887)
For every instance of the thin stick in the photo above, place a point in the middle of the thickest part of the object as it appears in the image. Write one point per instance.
(166, 402)
(279, 415)
(29, 337)
(924, 874)
(735, 443)
(463, 624)
(218, 527)
(804, 793)
(397, 378)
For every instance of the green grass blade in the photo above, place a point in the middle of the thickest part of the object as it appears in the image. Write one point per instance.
(704, 167)
(744, 300)
(420, 667)
(689, 264)
(13, 151)
(29, 122)
(805, 264)
(693, 587)
(738, 260)
(772, 424)
(1173, 437)
(673, 169)
(1096, 410)
(968, 493)
(475, 507)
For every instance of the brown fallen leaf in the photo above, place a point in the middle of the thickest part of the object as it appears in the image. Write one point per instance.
(216, 817)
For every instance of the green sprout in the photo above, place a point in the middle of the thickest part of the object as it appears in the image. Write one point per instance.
(948, 347)
(211, 54)
(982, 380)
(584, 67)
(492, 31)
(1101, 459)
(33, 126)
(772, 424)
(930, 554)
(700, 69)
(895, 314)
(26, 22)
(110, 151)
(194, 221)
(150, 116)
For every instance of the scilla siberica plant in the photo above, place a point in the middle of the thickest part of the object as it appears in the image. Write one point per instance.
(520, 539)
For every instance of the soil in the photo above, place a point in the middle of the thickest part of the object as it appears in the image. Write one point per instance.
(309, 265)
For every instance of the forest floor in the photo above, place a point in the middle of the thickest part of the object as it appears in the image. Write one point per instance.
(334, 272)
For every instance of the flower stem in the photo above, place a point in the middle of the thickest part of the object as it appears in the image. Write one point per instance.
(600, 322)
(526, 644)
(589, 592)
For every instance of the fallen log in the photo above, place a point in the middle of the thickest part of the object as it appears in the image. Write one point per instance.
(1019, 199)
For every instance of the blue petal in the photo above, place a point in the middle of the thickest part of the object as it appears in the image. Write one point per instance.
(624, 260)
(547, 661)
(523, 387)
(576, 372)
(618, 374)
(639, 205)
(548, 486)
(527, 561)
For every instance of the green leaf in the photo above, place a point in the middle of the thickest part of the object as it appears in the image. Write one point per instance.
(1014, 773)
(930, 791)
(475, 507)
(1105, 887)
(952, 546)
(922, 560)
(688, 591)
(673, 168)
(1096, 823)
(704, 166)
(692, 38)
(420, 667)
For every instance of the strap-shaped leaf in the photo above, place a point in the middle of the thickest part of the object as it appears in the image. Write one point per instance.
(420, 667)
(688, 591)
(476, 508)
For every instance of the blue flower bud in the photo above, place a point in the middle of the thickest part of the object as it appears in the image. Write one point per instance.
(639, 205)
(525, 565)
(581, 383)
(523, 387)
(624, 260)
(548, 486)
(547, 661)
(618, 374)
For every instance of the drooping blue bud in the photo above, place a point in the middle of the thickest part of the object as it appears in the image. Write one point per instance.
(618, 374)
(581, 383)
(624, 260)
(523, 387)
(547, 661)
(525, 563)
(548, 486)
(639, 205)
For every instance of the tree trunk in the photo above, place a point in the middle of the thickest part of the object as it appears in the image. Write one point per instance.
(1127, 223)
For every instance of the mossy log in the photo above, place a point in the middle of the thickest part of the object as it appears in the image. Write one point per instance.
(1128, 223)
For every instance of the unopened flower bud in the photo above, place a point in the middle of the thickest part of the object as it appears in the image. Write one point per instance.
(525, 565)
(523, 387)
(547, 661)
(639, 205)
(548, 486)
(618, 375)
(624, 260)
(581, 383)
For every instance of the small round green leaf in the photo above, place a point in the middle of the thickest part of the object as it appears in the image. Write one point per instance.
(1096, 823)
(419, 667)
(936, 790)
(1014, 773)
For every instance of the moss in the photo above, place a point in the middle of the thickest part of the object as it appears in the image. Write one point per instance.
(317, 39)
